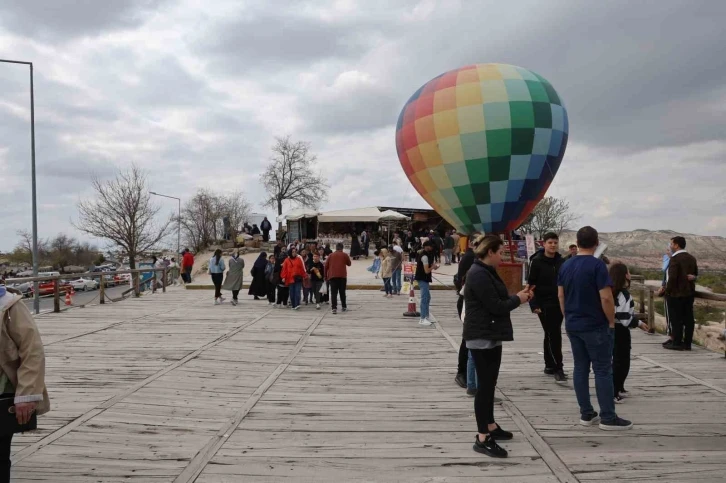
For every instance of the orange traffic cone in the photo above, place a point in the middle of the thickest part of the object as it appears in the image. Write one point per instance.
(411, 304)
(69, 301)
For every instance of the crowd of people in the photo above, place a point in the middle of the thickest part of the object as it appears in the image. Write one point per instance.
(593, 299)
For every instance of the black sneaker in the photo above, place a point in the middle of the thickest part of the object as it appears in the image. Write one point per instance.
(560, 377)
(674, 347)
(334, 311)
(667, 343)
(617, 424)
(549, 371)
(590, 419)
(500, 435)
(471, 392)
(687, 347)
(461, 380)
(619, 399)
(489, 447)
(345, 309)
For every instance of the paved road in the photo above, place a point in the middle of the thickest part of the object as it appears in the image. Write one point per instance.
(80, 298)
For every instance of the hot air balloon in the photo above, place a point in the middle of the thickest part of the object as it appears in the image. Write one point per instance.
(481, 144)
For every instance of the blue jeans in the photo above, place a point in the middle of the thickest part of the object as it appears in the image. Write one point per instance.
(396, 281)
(387, 285)
(425, 298)
(295, 289)
(594, 347)
(471, 382)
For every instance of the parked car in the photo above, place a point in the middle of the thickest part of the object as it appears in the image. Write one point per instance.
(84, 284)
(24, 288)
(46, 288)
(122, 278)
(109, 281)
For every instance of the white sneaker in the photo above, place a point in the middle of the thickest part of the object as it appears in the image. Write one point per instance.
(217, 302)
(317, 306)
(424, 322)
(296, 308)
(270, 303)
(222, 299)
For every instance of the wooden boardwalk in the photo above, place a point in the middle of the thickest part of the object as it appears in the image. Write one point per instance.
(169, 388)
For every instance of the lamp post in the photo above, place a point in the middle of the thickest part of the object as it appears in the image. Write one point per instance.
(178, 230)
(36, 295)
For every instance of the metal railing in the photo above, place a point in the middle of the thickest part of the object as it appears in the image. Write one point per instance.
(135, 282)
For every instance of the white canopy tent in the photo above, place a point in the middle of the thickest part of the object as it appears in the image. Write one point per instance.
(297, 215)
(363, 215)
(390, 215)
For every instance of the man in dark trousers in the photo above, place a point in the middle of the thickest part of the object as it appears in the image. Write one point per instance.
(467, 260)
(336, 272)
(266, 226)
(543, 281)
(680, 291)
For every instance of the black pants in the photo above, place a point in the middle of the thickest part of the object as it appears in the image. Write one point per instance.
(680, 312)
(5, 443)
(265, 235)
(551, 320)
(282, 295)
(337, 285)
(487, 362)
(621, 357)
(270, 291)
(217, 281)
(235, 293)
(463, 351)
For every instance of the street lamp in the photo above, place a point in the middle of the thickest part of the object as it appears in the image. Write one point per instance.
(178, 230)
(36, 295)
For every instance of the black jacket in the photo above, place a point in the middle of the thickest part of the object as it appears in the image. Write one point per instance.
(543, 275)
(487, 305)
(464, 265)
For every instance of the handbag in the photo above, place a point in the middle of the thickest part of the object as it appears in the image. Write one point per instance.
(323, 289)
(9, 423)
(307, 282)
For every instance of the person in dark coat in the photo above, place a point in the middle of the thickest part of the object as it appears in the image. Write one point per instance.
(467, 260)
(283, 292)
(270, 280)
(365, 243)
(258, 287)
(355, 250)
(255, 230)
(542, 279)
(266, 226)
(487, 325)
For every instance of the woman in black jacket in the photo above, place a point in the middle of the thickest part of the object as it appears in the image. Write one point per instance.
(486, 325)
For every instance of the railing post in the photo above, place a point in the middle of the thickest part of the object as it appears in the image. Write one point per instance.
(102, 289)
(56, 296)
(651, 310)
(163, 281)
(641, 298)
(153, 281)
(136, 278)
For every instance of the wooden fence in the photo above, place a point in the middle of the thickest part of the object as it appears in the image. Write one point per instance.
(101, 276)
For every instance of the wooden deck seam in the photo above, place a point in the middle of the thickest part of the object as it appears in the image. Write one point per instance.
(682, 374)
(200, 461)
(95, 411)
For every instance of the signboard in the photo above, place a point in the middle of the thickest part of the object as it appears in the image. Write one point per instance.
(531, 249)
(521, 248)
(408, 270)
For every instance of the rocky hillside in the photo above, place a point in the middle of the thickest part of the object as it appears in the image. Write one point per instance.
(645, 248)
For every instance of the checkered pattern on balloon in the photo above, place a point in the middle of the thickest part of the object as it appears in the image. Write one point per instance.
(481, 144)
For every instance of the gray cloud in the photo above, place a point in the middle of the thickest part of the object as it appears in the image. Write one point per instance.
(65, 19)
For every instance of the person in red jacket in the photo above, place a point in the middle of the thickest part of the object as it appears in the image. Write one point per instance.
(336, 272)
(187, 265)
(293, 272)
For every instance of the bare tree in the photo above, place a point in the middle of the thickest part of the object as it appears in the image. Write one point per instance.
(550, 214)
(61, 251)
(23, 252)
(123, 214)
(199, 219)
(290, 176)
(235, 208)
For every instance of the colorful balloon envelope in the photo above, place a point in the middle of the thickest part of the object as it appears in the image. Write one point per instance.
(481, 144)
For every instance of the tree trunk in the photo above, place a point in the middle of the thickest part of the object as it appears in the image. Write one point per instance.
(132, 260)
(279, 212)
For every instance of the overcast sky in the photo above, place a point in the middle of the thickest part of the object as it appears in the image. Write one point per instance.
(195, 91)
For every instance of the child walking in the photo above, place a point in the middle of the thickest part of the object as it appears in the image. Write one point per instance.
(375, 268)
(387, 271)
(624, 321)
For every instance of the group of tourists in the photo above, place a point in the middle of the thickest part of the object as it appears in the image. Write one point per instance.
(598, 312)
(264, 229)
(286, 278)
